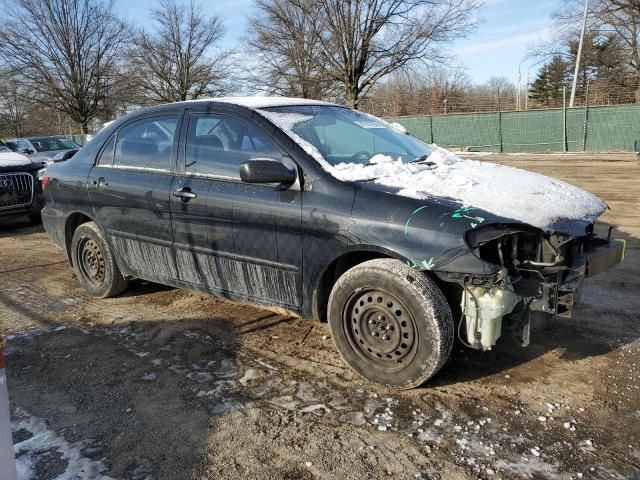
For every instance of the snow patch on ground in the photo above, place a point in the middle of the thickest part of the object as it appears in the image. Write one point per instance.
(44, 440)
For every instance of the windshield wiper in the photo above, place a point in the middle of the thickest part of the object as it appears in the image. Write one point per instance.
(422, 159)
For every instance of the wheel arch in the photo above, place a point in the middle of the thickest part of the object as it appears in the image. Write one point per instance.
(334, 270)
(73, 221)
(350, 259)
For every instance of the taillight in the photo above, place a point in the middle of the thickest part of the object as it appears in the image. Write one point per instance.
(45, 180)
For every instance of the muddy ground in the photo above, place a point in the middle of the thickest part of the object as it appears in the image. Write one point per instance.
(167, 384)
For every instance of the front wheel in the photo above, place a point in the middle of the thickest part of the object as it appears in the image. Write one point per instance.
(94, 263)
(390, 323)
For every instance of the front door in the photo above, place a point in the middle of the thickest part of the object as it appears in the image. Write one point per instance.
(233, 238)
(130, 188)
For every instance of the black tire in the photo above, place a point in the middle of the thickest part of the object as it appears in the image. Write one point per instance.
(390, 323)
(94, 263)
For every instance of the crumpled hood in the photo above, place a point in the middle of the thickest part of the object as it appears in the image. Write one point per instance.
(13, 159)
(511, 193)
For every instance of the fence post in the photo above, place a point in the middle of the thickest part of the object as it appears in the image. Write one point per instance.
(565, 143)
(431, 140)
(586, 119)
(500, 123)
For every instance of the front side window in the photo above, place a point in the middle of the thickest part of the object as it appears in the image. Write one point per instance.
(218, 144)
(343, 136)
(146, 144)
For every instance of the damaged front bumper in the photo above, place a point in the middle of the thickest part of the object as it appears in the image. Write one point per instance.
(558, 293)
(528, 289)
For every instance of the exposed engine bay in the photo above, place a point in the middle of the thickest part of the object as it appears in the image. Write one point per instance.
(540, 275)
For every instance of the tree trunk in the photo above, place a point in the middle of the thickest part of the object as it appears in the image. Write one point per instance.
(84, 128)
(351, 93)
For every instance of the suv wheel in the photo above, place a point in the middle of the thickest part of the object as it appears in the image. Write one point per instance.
(390, 323)
(94, 263)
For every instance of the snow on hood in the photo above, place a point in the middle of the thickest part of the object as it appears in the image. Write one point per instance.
(13, 159)
(508, 192)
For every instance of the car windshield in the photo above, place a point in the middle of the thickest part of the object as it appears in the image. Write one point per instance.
(343, 135)
(50, 144)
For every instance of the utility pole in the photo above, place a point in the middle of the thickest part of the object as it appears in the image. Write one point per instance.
(519, 92)
(526, 99)
(575, 74)
(518, 103)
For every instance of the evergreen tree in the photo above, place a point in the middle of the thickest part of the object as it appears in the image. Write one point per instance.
(547, 89)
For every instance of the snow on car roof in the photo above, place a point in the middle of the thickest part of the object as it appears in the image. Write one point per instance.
(264, 102)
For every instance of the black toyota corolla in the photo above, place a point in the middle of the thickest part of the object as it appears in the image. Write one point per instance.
(332, 214)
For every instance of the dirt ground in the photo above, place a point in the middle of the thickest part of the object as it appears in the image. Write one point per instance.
(167, 384)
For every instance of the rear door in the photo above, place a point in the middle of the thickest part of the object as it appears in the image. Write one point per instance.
(129, 188)
(233, 238)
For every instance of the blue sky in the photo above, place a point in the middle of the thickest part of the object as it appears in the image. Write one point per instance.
(496, 48)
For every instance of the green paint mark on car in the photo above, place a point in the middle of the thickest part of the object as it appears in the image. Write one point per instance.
(406, 225)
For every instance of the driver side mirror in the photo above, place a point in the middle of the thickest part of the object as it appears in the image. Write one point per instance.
(263, 170)
(26, 151)
(66, 156)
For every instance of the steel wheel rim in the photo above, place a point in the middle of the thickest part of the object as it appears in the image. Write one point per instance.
(380, 329)
(91, 261)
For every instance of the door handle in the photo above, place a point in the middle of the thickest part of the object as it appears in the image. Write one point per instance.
(101, 182)
(185, 194)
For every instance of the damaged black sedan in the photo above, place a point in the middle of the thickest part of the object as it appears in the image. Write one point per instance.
(332, 214)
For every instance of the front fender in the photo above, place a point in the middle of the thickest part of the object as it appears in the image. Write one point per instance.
(428, 234)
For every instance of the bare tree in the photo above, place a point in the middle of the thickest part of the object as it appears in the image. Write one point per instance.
(176, 60)
(14, 108)
(362, 41)
(284, 44)
(63, 49)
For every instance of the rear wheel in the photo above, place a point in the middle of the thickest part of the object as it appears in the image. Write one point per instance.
(390, 323)
(94, 263)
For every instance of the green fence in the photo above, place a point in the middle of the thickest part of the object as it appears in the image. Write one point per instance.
(557, 130)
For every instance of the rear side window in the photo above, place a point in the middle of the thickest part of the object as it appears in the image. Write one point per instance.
(106, 157)
(146, 144)
(218, 144)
